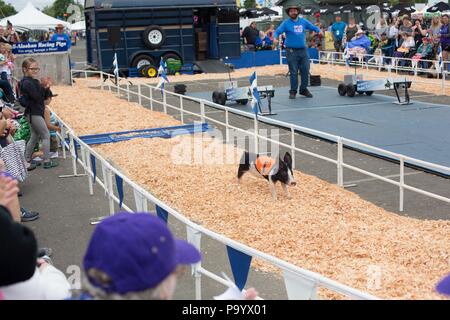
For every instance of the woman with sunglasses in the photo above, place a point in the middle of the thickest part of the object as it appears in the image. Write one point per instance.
(33, 99)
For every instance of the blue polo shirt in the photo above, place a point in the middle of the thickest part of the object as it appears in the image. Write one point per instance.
(62, 37)
(295, 32)
(338, 29)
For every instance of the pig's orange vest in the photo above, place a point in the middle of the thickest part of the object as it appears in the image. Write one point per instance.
(264, 164)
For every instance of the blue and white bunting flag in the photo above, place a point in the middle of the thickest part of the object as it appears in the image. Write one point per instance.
(256, 99)
(440, 66)
(162, 75)
(116, 66)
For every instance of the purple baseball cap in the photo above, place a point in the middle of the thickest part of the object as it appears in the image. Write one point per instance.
(444, 285)
(137, 251)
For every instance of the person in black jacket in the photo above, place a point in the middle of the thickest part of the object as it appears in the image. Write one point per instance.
(33, 93)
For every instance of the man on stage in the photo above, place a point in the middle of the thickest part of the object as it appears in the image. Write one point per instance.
(296, 49)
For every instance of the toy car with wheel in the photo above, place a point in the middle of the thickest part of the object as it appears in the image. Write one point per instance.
(356, 84)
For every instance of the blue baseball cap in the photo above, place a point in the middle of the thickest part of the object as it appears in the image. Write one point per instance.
(137, 251)
(444, 285)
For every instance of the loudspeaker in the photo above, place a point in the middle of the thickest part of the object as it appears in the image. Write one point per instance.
(180, 89)
(315, 80)
(114, 36)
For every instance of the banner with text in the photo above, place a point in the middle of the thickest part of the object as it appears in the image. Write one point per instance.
(40, 47)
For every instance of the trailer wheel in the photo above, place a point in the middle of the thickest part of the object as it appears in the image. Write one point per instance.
(215, 96)
(242, 101)
(369, 93)
(141, 71)
(154, 37)
(142, 60)
(222, 98)
(342, 89)
(351, 91)
(151, 71)
(175, 57)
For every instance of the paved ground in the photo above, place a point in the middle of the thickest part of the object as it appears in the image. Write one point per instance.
(66, 206)
(418, 130)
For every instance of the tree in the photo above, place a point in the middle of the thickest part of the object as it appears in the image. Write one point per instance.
(61, 9)
(6, 9)
(249, 4)
(48, 10)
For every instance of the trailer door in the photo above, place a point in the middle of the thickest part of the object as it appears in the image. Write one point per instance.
(228, 33)
(91, 39)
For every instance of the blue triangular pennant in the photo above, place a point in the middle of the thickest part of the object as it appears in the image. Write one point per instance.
(93, 167)
(240, 266)
(160, 212)
(119, 184)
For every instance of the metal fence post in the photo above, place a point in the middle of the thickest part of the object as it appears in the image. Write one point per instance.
(293, 146)
(63, 140)
(227, 124)
(128, 91)
(402, 183)
(165, 101)
(73, 154)
(202, 110)
(151, 98)
(139, 94)
(340, 158)
(256, 134)
(280, 49)
(194, 238)
(90, 170)
(109, 188)
(181, 110)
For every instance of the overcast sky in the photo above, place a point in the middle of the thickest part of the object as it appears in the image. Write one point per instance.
(40, 4)
(19, 4)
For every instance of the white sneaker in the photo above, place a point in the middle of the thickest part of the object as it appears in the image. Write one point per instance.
(54, 155)
(38, 159)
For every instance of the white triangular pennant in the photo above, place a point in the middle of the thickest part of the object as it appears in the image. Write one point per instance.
(299, 287)
(141, 201)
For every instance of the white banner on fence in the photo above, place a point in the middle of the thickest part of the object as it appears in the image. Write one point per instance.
(193, 237)
(298, 287)
(141, 201)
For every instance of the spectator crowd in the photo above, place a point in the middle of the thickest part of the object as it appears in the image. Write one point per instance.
(414, 40)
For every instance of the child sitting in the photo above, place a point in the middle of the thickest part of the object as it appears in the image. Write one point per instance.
(6, 61)
(52, 124)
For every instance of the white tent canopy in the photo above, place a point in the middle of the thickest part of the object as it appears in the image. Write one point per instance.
(31, 18)
(78, 26)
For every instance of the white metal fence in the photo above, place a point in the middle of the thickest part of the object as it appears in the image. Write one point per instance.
(195, 231)
(393, 65)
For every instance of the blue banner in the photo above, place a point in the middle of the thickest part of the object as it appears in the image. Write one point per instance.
(161, 213)
(93, 167)
(240, 266)
(40, 47)
(119, 184)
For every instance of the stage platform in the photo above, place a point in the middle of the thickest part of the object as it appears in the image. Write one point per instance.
(419, 130)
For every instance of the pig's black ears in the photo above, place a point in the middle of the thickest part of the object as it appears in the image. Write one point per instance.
(288, 159)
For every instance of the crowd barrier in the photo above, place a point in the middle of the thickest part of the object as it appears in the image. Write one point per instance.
(300, 283)
(393, 65)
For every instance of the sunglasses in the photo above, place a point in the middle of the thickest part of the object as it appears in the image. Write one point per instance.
(34, 69)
